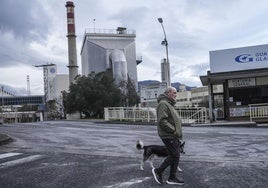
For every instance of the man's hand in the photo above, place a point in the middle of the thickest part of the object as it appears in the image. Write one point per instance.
(182, 143)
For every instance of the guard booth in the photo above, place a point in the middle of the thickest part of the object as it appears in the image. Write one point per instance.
(243, 75)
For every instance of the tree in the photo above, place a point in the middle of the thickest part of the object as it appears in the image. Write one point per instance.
(90, 94)
(130, 96)
(53, 110)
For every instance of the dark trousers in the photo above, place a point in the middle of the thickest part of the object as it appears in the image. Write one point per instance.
(172, 160)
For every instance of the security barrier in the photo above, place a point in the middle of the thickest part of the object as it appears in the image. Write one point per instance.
(258, 111)
(20, 117)
(192, 115)
(130, 114)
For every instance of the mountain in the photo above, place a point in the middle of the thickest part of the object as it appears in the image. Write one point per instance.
(177, 86)
(149, 82)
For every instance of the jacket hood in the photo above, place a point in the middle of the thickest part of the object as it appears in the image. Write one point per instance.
(166, 98)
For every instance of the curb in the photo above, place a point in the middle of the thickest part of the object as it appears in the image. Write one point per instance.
(4, 139)
(214, 124)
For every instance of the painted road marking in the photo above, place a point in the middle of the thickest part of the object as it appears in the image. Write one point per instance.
(5, 155)
(128, 183)
(20, 161)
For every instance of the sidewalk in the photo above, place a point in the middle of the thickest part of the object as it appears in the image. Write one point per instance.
(229, 124)
(233, 124)
(213, 124)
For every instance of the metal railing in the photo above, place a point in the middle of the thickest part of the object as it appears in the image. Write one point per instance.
(20, 117)
(130, 114)
(109, 31)
(258, 111)
(192, 115)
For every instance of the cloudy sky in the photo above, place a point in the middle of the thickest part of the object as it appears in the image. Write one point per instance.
(33, 32)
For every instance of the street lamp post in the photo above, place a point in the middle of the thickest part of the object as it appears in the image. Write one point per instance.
(165, 43)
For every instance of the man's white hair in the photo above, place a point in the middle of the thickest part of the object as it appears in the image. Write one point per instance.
(170, 89)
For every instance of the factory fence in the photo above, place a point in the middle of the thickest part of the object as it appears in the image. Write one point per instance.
(189, 115)
(130, 114)
(258, 111)
(20, 117)
(193, 115)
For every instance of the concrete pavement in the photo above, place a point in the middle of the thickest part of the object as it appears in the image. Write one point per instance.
(4, 139)
(215, 157)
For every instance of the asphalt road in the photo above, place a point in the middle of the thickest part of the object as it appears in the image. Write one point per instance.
(96, 155)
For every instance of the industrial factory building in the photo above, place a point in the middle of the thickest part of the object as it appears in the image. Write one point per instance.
(110, 48)
(243, 73)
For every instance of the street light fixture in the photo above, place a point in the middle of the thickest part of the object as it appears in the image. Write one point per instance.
(165, 43)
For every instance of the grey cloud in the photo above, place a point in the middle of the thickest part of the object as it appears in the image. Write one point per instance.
(199, 69)
(196, 70)
(21, 22)
(14, 52)
(25, 19)
(131, 17)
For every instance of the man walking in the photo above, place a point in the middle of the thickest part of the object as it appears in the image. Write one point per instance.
(170, 132)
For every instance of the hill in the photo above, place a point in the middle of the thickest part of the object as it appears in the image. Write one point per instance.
(175, 84)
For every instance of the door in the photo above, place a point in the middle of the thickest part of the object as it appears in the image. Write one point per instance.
(218, 108)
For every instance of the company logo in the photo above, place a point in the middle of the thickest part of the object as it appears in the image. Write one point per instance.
(244, 58)
(52, 70)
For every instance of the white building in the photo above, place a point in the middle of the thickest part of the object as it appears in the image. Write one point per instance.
(200, 94)
(115, 49)
(150, 93)
(51, 82)
(56, 83)
(61, 84)
(243, 74)
(183, 98)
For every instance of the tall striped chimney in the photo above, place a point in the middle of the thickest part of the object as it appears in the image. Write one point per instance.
(73, 68)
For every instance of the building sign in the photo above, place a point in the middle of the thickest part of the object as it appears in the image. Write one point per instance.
(236, 59)
(243, 82)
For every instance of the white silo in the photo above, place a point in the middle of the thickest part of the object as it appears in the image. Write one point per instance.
(119, 66)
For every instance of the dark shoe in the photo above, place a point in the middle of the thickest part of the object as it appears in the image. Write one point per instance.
(175, 181)
(157, 176)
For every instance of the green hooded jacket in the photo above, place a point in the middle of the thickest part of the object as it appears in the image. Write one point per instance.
(168, 120)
